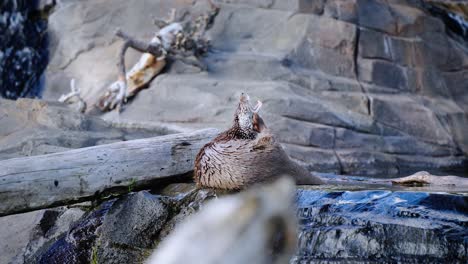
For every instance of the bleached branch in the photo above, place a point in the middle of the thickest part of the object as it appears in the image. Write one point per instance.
(74, 93)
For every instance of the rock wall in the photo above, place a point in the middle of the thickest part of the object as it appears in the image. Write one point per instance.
(364, 87)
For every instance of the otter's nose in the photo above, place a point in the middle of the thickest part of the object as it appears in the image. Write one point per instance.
(244, 97)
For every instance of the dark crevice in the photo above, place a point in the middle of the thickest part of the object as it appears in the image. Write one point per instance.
(369, 105)
(340, 164)
(48, 220)
(356, 69)
(356, 53)
(455, 24)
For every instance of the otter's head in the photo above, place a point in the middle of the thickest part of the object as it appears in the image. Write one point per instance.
(246, 119)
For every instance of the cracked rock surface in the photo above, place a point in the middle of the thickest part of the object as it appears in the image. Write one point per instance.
(364, 87)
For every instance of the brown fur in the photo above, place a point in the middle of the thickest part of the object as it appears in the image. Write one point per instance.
(241, 157)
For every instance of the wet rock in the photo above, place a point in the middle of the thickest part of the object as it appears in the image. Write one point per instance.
(77, 245)
(338, 222)
(24, 234)
(54, 224)
(129, 227)
(454, 14)
(124, 230)
(381, 226)
(23, 49)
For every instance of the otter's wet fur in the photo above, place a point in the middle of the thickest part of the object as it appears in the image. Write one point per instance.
(246, 154)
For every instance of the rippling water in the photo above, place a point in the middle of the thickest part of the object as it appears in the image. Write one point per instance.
(370, 223)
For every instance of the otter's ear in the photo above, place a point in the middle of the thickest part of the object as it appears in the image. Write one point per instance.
(258, 124)
(257, 107)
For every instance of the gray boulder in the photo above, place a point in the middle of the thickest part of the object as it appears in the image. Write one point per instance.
(123, 230)
(34, 127)
(23, 234)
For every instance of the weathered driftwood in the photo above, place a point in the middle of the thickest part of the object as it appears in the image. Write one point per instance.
(174, 41)
(74, 97)
(48, 180)
(128, 84)
(425, 178)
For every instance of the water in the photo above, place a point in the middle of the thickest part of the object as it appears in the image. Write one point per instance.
(381, 225)
(23, 49)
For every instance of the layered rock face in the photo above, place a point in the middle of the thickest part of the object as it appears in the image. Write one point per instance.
(354, 87)
(23, 48)
(33, 127)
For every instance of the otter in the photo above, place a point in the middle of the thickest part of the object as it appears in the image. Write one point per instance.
(245, 154)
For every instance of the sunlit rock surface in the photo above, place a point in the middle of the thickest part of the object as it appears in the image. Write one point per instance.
(34, 127)
(365, 87)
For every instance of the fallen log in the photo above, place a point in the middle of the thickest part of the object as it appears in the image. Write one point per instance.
(37, 182)
(425, 178)
(184, 41)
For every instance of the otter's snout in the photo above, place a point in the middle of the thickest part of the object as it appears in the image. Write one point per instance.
(245, 101)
